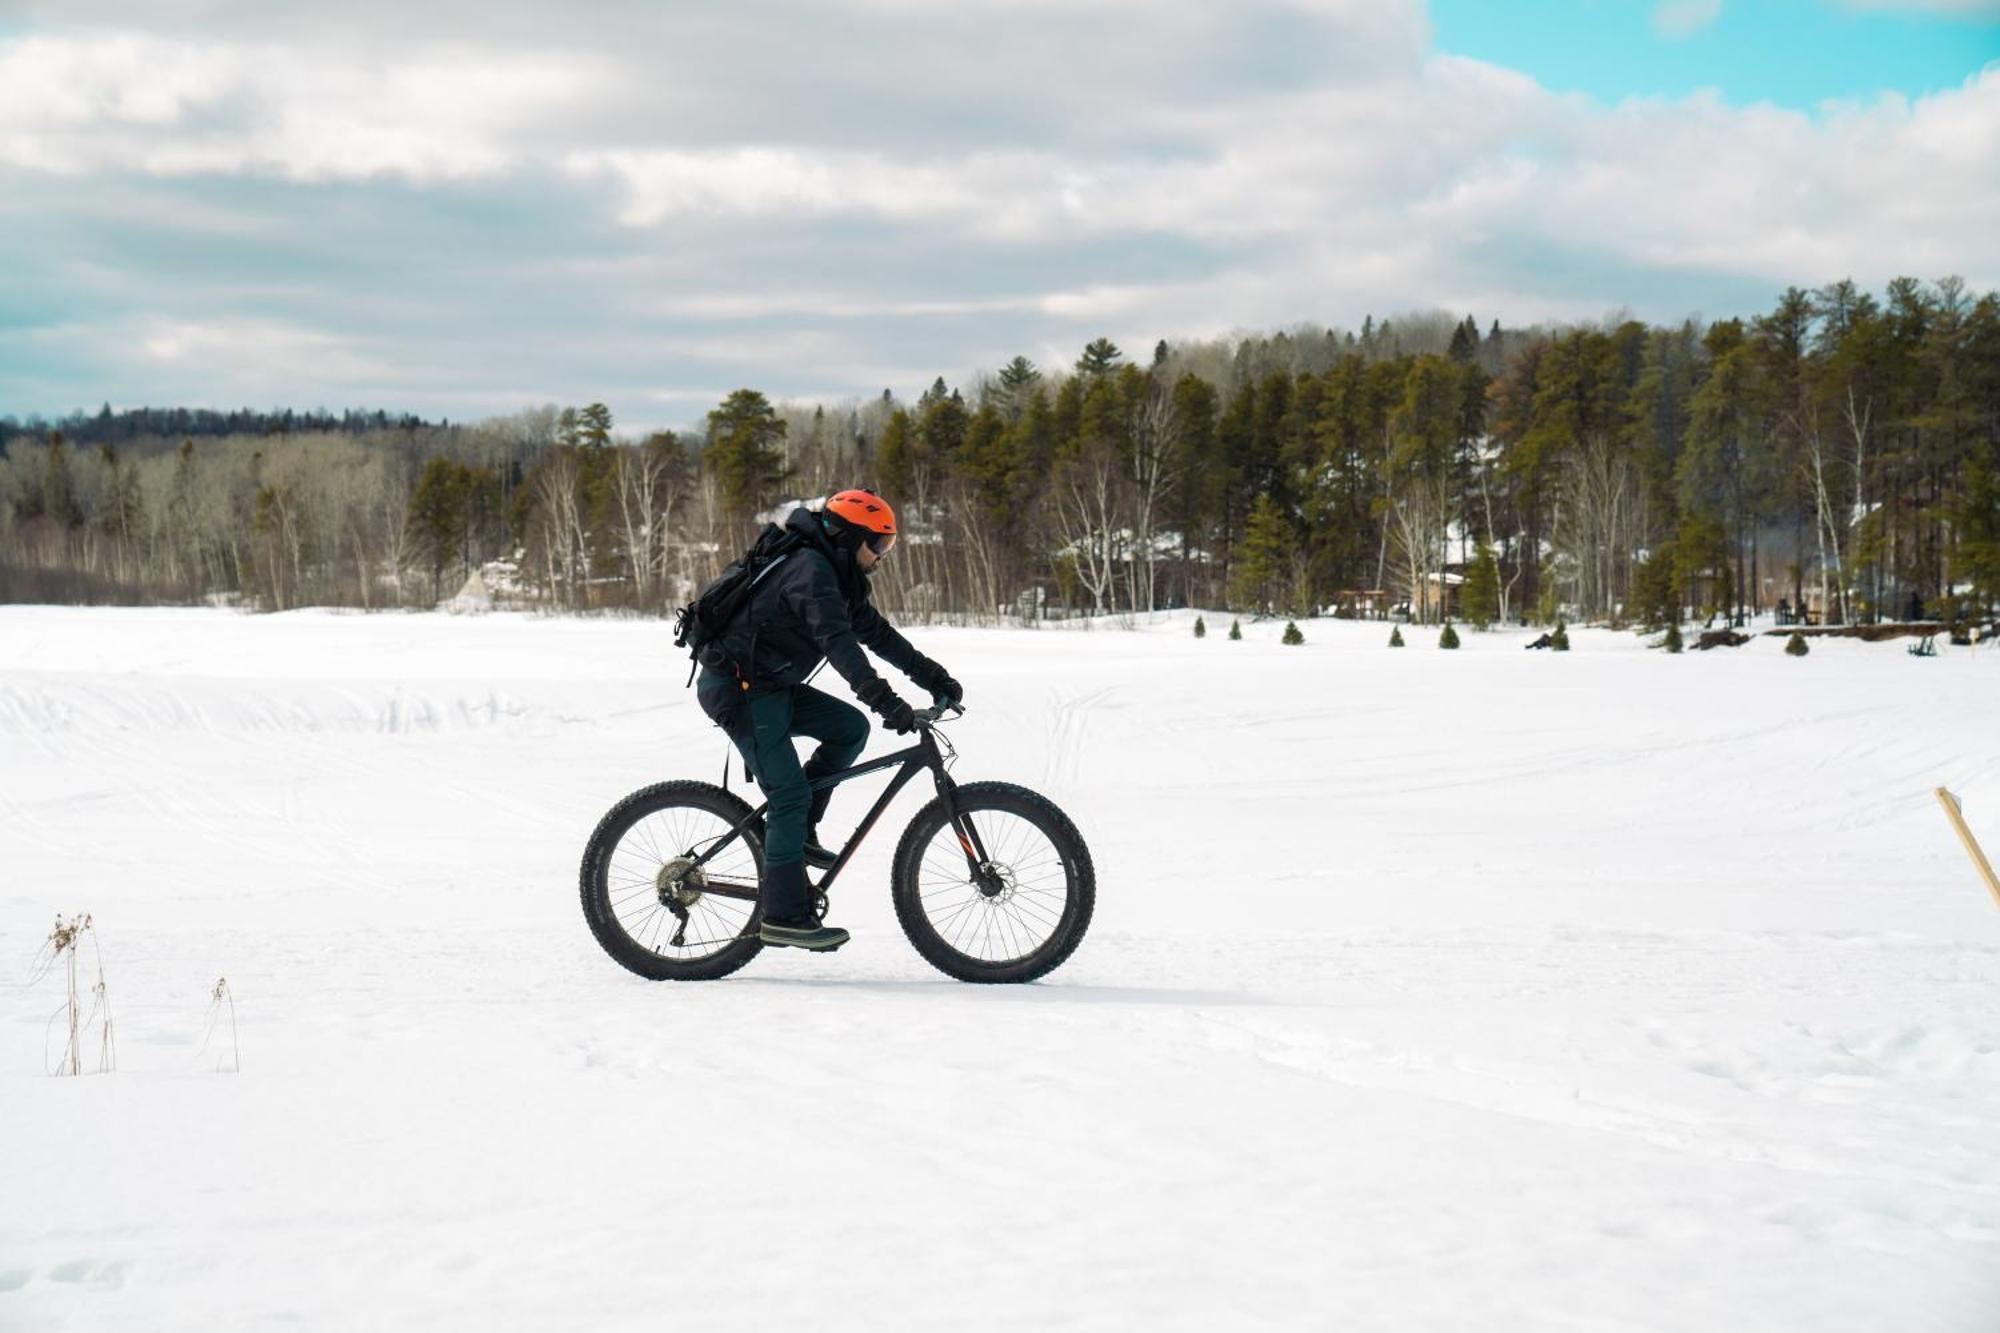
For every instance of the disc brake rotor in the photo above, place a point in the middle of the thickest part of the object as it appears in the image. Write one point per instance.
(995, 881)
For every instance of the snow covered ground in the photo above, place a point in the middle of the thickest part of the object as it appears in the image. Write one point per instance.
(1481, 990)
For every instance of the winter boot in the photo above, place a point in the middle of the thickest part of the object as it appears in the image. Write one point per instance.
(818, 857)
(806, 934)
(788, 917)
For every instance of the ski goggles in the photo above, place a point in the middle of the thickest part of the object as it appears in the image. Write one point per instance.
(881, 543)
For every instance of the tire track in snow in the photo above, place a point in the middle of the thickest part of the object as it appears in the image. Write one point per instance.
(1068, 724)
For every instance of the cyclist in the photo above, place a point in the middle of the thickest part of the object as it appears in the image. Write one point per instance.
(813, 606)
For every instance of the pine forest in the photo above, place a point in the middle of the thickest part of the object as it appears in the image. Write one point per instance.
(1837, 457)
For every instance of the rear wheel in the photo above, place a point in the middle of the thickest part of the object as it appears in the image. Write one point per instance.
(1015, 913)
(652, 908)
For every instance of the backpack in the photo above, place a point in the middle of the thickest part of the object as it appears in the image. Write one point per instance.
(701, 625)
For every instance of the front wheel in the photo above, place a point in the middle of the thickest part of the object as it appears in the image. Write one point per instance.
(1013, 914)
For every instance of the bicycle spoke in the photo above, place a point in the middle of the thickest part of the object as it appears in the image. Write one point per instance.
(632, 883)
(959, 914)
(1034, 892)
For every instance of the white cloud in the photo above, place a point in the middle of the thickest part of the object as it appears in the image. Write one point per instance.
(894, 184)
(122, 102)
(1684, 18)
(760, 182)
(1392, 185)
(265, 352)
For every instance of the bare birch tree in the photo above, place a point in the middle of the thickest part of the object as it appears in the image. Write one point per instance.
(1156, 435)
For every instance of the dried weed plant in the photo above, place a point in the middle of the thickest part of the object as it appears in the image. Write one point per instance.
(221, 998)
(62, 947)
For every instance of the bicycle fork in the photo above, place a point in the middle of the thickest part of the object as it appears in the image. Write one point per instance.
(977, 862)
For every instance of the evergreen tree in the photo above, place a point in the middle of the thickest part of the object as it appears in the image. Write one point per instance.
(745, 450)
(943, 427)
(183, 517)
(1559, 638)
(986, 460)
(1653, 599)
(896, 454)
(1396, 636)
(1448, 639)
(1479, 598)
(593, 426)
(438, 515)
(1263, 559)
(1200, 628)
(1976, 519)
(1235, 630)
(1672, 643)
(1191, 503)
(1099, 358)
(1017, 384)
(1700, 554)
(1464, 342)
(58, 485)
(1716, 477)
(1292, 635)
(1796, 645)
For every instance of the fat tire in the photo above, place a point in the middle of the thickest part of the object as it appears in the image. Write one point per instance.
(1045, 815)
(593, 887)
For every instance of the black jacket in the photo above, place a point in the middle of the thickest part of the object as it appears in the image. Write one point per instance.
(814, 605)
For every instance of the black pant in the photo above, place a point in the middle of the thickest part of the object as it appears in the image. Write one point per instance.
(763, 728)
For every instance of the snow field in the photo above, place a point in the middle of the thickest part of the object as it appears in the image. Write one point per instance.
(1486, 989)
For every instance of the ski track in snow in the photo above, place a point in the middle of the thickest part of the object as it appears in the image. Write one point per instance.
(1426, 990)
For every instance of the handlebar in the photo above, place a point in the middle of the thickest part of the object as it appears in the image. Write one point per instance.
(926, 718)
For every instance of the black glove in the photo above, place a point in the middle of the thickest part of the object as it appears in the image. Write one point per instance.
(939, 682)
(896, 715)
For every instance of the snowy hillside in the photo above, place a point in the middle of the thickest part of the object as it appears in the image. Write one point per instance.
(1427, 990)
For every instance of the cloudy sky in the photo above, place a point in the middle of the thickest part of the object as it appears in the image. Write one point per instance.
(459, 209)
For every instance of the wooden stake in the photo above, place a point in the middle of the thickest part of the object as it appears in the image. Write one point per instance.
(1956, 815)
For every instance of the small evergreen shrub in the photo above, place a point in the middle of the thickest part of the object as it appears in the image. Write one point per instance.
(1796, 645)
(1200, 628)
(1559, 641)
(1395, 636)
(1292, 635)
(1235, 630)
(1448, 639)
(1672, 643)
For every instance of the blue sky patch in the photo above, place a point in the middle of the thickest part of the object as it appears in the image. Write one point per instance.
(1795, 53)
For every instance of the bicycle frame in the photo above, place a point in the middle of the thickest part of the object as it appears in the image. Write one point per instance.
(908, 763)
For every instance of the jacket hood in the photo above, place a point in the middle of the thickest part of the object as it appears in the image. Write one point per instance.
(806, 523)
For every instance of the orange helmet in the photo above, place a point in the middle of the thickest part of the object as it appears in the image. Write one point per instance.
(868, 514)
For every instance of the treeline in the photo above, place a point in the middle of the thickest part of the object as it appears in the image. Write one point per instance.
(189, 423)
(1839, 452)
